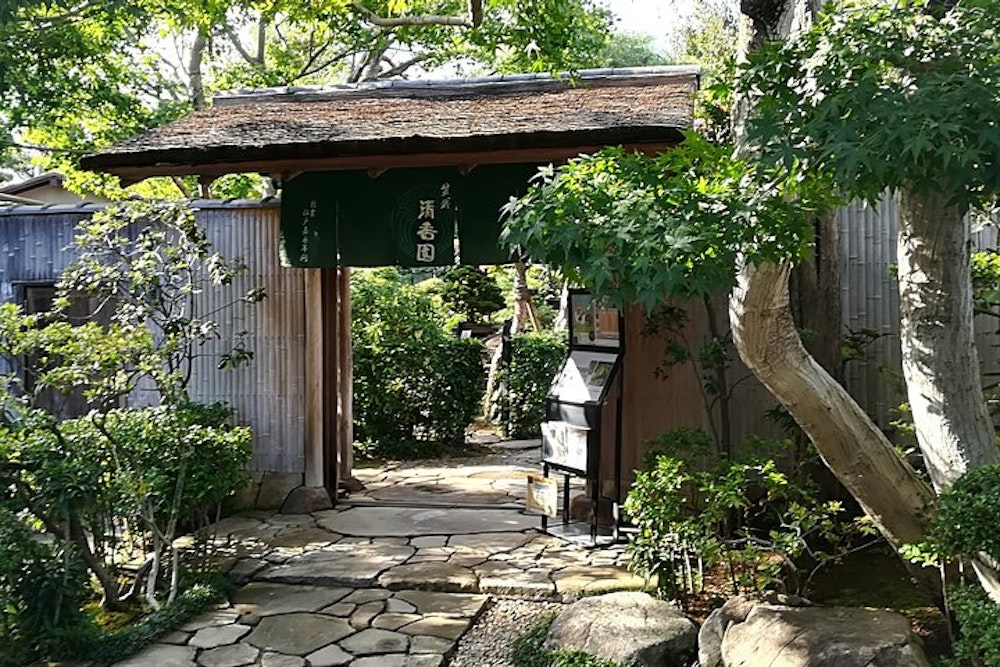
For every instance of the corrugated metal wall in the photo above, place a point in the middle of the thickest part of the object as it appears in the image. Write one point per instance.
(268, 393)
(870, 301)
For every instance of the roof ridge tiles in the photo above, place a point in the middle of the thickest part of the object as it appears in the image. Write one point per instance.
(458, 85)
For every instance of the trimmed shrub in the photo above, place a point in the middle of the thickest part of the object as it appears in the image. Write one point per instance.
(413, 383)
(535, 359)
(41, 588)
(968, 514)
(690, 505)
(979, 620)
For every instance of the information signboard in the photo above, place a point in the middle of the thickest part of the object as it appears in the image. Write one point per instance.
(403, 217)
(583, 377)
(593, 324)
(565, 445)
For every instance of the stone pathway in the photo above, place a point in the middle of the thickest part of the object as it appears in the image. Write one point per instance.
(370, 585)
(499, 478)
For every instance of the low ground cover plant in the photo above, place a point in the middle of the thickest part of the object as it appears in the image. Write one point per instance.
(529, 651)
(764, 526)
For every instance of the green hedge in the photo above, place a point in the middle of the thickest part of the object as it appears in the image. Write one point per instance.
(413, 383)
(535, 359)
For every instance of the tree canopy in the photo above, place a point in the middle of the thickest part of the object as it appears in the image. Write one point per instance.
(79, 76)
(886, 95)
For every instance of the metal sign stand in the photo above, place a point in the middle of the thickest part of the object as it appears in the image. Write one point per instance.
(580, 395)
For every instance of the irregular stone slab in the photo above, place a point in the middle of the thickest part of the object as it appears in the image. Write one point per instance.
(503, 579)
(279, 660)
(161, 655)
(340, 563)
(413, 522)
(466, 558)
(343, 609)
(395, 660)
(331, 656)
(433, 602)
(519, 444)
(446, 577)
(573, 580)
(211, 619)
(363, 615)
(428, 644)
(393, 621)
(363, 595)
(397, 606)
(444, 627)
(246, 568)
(177, 637)
(822, 637)
(424, 660)
(627, 628)
(298, 634)
(266, 599)
(302, 536)
(235, 655)
(429, 541)
(375, 642)
(217, 636)
(232, 524)
(287, 520)
(490, 543)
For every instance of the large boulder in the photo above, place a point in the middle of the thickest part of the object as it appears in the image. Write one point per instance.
(632, 629)
(714, 628)
(784, 636)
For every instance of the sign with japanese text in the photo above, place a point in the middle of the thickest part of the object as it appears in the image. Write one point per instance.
(424, 225)
(435, 216)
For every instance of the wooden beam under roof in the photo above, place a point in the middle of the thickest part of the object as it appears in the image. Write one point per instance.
(284, 169)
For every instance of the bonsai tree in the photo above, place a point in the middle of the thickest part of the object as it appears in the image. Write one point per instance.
(470, 291)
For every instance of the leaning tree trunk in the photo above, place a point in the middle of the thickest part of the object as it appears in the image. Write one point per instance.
(850, 444)
(940, 362)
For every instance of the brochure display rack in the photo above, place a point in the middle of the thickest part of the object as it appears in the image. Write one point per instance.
(584, 397)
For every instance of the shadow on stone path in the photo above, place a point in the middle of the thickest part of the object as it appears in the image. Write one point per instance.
(376, 585)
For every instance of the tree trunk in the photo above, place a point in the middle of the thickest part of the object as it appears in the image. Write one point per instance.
(524, 307)
(847, 440)
(940, 362)
(195, 75)
(816, 297)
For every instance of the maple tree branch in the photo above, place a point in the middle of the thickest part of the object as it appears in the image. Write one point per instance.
(396, 70)
(237, 43)
(49, 149)
(473, 19)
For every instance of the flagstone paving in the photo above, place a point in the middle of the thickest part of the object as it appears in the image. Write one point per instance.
(374, 585)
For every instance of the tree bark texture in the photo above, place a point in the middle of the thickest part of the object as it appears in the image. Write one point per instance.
(816, 296)
(847, 440)
(195, 74)
(940, 361)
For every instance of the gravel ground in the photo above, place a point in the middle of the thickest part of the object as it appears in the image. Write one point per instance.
(489, 641)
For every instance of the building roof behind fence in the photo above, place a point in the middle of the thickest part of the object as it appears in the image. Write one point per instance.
(414, 123)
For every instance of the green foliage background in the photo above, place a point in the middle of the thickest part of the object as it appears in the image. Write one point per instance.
(413, 382)
(535, 359)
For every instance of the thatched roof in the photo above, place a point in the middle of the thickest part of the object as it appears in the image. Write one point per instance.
(408, 123)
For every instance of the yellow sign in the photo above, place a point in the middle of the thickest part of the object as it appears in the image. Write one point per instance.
(543, 493)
